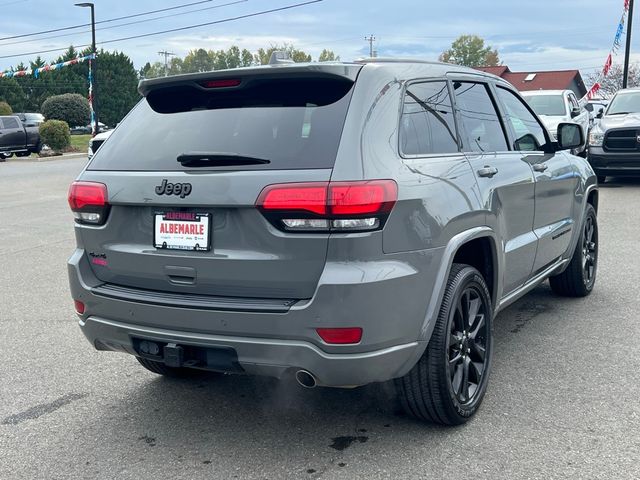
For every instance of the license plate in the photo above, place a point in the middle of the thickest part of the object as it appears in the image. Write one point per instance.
(182, 231)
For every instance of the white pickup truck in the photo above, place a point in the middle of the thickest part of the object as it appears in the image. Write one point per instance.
(559, 106)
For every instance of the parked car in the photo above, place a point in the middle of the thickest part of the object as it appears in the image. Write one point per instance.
(96, 141)
(17, 139)
(339, 224)
(30, 119)
(559, 106)
(614, 142)
(84, 129)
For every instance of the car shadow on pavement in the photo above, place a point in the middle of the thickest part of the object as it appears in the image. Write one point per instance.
(619, 182)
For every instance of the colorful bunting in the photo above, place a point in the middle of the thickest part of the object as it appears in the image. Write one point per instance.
(47, 68)
(617, 43)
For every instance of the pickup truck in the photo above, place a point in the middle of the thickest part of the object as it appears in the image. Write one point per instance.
(18, 139)
(559, 106)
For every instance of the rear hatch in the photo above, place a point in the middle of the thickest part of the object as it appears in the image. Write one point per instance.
(184, 170)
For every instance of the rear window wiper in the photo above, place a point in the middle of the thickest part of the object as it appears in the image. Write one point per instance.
(218, 159)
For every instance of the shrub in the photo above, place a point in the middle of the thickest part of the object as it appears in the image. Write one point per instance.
(55, 133)
(5, 108)
(69, 107)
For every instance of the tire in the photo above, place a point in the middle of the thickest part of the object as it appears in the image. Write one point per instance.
(161, 369)
(23, 154)
(602, 179)
(3, 157)
(38, 147)
(428, 392)
(579, 278)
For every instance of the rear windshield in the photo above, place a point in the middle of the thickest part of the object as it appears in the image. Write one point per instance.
(552, 105)
(292, 123)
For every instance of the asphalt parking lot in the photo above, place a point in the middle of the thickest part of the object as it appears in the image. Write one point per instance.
(563, 400)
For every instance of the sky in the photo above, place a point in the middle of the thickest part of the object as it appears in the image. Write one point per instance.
(529, 35)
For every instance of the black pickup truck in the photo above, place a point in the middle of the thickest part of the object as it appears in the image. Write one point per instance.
(18, 139)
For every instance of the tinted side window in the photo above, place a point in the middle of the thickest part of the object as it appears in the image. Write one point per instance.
(10, 122)
(529, 133)
(479, 118)
(427, 125)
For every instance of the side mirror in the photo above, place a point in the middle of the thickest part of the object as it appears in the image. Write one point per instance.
(589, 107)
(570, 136)
(575, 111)
(600, 113)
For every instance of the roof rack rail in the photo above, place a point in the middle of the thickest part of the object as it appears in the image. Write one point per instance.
(396, 60)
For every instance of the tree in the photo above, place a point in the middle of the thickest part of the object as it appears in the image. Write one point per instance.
(610, 84)
(117, 91)
(263, 56)
(12, 93)
(328, 56)
(5, 108)
(198, 61)
(69, 107)
(470, 51)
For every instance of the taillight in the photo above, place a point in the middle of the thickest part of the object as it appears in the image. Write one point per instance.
(88, 201)
(322, 206)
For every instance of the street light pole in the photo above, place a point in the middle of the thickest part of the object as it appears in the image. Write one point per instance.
(627, 52)
(93, 63)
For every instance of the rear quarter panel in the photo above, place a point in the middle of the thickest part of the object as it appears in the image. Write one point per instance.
(437, 194)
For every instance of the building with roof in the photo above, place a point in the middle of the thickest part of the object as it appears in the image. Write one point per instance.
(549, 80)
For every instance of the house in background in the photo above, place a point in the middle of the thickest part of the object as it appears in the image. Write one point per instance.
(550, 80)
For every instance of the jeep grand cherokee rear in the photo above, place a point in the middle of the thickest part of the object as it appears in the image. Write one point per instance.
(337, 223)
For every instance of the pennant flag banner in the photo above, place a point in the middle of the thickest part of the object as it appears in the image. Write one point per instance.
(47, 68)
(617, 43)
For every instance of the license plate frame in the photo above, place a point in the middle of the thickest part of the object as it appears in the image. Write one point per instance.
(184, 238)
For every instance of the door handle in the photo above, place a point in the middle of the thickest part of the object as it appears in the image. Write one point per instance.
(540, 167)
(487, 171)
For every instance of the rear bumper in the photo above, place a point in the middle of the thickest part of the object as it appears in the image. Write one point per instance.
(268, 357)
(388, 299)
(615, 164)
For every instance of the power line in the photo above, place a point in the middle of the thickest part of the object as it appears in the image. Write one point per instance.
(108, 20)
(179, 29)
(125, 24)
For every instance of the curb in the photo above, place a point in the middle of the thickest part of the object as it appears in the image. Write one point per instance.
(68, 156)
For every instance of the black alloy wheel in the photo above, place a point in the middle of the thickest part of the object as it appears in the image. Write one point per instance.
(467, 346)
(589, 251)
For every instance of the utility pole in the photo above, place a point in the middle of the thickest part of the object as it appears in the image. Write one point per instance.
(166, 60)
(94, 102)
(370, 39)
(627, 51)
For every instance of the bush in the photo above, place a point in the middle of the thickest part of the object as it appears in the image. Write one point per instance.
(72, 108)
(5, 108)
(55, 133)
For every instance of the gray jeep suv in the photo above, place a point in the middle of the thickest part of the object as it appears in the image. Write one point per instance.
(336, 223)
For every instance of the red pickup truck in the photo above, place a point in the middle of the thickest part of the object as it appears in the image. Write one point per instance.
(18, 139)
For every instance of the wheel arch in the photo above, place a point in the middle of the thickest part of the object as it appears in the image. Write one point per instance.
(463, 246)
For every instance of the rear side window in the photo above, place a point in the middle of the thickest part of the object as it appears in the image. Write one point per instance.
(479, 119)
(427, 125)
(292, 123)
(10, 122)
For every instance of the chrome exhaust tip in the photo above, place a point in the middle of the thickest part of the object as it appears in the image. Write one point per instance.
(306, 379)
